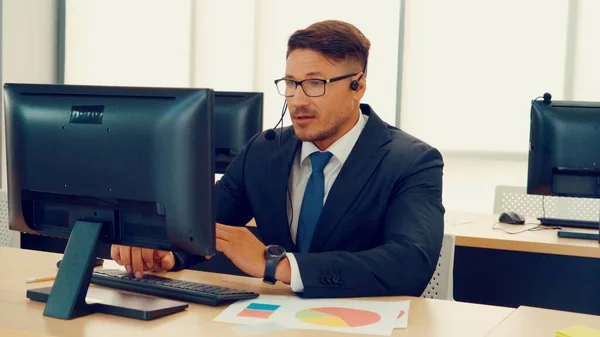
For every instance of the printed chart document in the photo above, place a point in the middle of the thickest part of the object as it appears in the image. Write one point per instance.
(341, 315)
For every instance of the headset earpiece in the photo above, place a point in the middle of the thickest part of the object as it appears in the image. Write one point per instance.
(354, 85)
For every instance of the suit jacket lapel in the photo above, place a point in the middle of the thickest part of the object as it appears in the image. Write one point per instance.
(358, 168)
(279, 172)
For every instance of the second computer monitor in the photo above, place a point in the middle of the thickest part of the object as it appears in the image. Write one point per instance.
(564, 159)
(238, 117)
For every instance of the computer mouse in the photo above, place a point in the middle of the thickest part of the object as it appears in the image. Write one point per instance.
(512, 218)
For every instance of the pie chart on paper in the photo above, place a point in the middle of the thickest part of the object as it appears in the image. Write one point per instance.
(338, 317)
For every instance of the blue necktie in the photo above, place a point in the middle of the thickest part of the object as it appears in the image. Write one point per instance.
(312, 203)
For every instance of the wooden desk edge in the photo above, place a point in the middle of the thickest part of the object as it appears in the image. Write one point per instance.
(528, 247)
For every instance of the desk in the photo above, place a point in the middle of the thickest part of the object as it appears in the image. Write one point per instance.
(17, 333)
(478, 233)
(532, 322)
(427, 317)
(535, 268)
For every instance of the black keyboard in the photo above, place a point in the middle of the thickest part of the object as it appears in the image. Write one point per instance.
(169, 288)
(569, 223)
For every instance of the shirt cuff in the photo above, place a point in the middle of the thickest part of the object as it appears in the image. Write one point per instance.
(179, 262)
(296, 280)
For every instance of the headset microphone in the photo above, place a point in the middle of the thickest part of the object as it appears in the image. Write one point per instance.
(270, 134)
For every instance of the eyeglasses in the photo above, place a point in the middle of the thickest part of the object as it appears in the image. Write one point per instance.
(312, 87)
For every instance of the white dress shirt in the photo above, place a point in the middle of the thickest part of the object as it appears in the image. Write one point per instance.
(301, 170)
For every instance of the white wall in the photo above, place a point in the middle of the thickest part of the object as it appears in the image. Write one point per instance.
(2, 133)
(470, 178)
(224, 45)
(587, 54)
(131, 43)
(28, 47)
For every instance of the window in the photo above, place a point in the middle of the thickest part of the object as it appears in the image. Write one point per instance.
(133, 42)
(472, 67)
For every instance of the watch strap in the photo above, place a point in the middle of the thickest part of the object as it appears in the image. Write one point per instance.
(270, 268)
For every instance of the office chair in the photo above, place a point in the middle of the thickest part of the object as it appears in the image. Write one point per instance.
(440, 285)
(516, 199)
(8, 238)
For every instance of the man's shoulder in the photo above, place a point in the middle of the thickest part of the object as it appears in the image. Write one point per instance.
(408, 154)
(405, 143)
(397, 141)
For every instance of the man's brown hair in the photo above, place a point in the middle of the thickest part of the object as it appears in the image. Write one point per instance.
(335, 40)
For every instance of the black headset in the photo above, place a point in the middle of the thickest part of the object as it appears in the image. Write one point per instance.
(354, 84)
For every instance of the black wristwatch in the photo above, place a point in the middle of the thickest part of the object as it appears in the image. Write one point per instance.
(273, 254)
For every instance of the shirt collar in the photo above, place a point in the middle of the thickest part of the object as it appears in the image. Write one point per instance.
(342, 147)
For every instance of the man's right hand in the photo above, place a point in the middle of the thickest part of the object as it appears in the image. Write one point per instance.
(137, 260)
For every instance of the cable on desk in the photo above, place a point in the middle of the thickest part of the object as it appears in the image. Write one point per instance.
(537, 227)
(543, 207)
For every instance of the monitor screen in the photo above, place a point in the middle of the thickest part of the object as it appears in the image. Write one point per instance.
(238, 117)
(564, 157)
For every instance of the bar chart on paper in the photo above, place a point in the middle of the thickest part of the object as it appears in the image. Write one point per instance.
(338, 317)
(258, 310)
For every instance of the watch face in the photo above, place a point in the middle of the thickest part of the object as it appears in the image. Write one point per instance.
(275, 250)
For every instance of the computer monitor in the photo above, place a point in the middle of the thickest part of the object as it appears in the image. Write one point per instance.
(238, 117)
(120, 165)
(564, 157)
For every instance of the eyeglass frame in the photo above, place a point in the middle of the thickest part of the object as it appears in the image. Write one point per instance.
(330, 80)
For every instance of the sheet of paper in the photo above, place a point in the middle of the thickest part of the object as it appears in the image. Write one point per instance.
(402, 320)
(256, 311)
(578, 331)
(341, 315)
(259, 329)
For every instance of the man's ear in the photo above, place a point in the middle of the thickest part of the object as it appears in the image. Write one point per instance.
(361, 87)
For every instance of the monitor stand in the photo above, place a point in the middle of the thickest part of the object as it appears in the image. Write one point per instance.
(99, 262)
(68, 297)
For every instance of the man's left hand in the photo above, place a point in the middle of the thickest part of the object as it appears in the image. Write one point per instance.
(243, 249)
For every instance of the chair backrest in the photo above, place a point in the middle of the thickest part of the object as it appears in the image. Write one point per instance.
(7, 237)
(440, 285)
(516, 199)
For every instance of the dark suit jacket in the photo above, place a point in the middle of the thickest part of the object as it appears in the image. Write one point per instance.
(381, 228)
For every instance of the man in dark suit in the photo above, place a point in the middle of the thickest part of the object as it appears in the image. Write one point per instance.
(347, 204)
